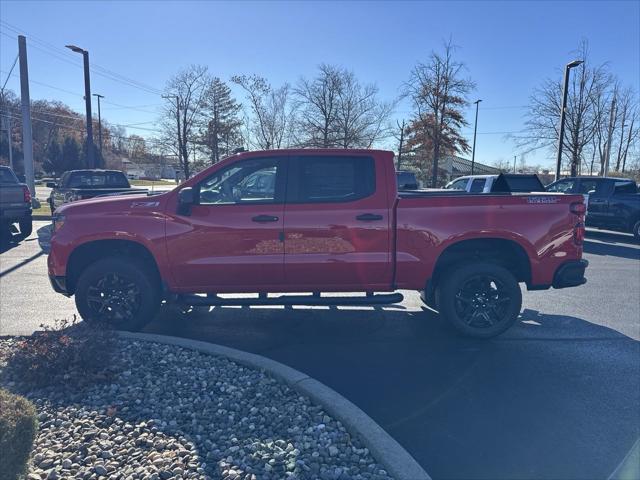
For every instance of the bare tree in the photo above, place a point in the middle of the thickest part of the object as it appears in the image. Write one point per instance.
(185, 94)
(628, 130)
(438, 92)
(360, 117)
(318, 107)
(584, 114)
(271, 111)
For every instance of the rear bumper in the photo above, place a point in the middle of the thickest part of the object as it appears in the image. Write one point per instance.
(59, 284)
(570, 274)
(14, 214)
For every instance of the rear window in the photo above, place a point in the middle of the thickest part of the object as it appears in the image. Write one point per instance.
(7, 176)
(625, 187)
(330, 179)
(98, 180)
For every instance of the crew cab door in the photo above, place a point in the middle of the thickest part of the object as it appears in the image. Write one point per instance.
(337, 223)
(231, 240)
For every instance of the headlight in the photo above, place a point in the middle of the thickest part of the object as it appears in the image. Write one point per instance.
(58, 221)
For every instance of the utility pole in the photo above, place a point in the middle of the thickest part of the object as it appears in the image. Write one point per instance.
(401, 127)
(181, 157)
(605, 169)
(27, 134)
(475, 129)
(98, 96)
(514, 164)
(563, 110)
(87, 100)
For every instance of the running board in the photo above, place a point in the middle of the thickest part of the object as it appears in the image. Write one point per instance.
(310, 300)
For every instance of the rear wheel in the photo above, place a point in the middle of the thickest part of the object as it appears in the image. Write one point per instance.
(119, 293)
(26, 226)
(481, 299)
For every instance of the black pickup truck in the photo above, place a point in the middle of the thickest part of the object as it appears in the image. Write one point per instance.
(81, 184)
(15, 204)
(615, 205)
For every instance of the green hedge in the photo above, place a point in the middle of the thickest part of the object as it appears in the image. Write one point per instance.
(18, 427)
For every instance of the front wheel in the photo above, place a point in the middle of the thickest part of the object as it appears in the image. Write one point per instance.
(481, 300)
(119, 293)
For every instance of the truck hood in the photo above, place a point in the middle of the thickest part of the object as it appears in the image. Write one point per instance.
(112, 203)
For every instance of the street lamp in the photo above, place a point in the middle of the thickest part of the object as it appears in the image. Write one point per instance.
(475, 129)
(87, 99)
(563, 109)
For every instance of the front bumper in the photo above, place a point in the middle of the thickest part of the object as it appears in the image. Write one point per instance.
(570, 274)
(59, 284)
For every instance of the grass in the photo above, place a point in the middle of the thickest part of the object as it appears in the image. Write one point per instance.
(148, 183)
(43, 210)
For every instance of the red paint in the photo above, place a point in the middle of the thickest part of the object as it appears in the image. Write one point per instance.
(320, 246)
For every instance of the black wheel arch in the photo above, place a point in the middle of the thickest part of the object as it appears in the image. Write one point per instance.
(506, 253)
(90, 252)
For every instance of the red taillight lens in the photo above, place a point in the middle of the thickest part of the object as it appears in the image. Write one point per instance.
(578, 233)
(27, 194)
(578, 208)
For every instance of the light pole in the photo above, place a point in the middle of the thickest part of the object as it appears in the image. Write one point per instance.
(565, 91)
(87, 100)
(475, 129)
(98, 96)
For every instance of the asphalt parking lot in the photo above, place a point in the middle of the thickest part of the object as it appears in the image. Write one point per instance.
(556, 397)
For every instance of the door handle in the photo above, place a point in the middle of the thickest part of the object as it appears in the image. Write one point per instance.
(265, 218)
(369, 217)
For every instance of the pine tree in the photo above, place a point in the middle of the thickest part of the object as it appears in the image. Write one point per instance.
(222, 133)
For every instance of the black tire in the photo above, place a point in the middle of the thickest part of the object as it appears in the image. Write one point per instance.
(121, 293)
(636, 230)
(26, 227)
(481, 300)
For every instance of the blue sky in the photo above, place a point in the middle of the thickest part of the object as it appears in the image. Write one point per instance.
(509, 48)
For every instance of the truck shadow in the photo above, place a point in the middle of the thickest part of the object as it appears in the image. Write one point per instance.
(554, 387)
(611, 244)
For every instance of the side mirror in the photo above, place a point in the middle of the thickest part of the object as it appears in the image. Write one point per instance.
(186, 198)
(51, 184)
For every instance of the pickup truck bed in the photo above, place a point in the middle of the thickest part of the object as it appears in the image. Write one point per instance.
(315, 221)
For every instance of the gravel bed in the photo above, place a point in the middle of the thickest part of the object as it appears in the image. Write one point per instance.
(175, 413)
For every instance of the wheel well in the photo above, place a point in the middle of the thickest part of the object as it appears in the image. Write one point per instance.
(506, 253)
(90, 252)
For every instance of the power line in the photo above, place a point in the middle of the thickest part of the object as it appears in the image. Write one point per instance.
(60, 54)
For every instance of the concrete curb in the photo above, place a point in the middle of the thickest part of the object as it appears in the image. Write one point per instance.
(384, 449)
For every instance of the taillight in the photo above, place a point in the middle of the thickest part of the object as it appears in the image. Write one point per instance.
(26, 193)
(578, 208)
(578, 233)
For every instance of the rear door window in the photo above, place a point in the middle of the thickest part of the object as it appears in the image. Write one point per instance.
(324, 179)
(477, 186)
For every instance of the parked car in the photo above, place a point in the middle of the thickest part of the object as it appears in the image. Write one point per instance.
(581, 185)
(15, 203)
(472, 183)
(614, 204)
(407, 180)
(331, 221)
(502, 183)
(82, 184)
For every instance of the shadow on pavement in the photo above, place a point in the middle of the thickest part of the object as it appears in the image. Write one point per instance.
(555, 397)
(611, 237)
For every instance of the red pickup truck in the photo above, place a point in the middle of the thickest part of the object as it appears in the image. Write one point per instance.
(315, 221)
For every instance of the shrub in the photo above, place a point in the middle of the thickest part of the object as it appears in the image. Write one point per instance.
(75, 351)
(18, 427)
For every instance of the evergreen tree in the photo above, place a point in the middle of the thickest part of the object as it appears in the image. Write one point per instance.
(223, 126)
